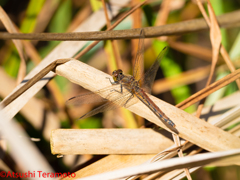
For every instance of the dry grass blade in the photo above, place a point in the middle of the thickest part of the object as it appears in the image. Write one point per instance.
(194, 50)
(33, 110)
(110, 163)
(210, 89)
(216, 38)
(161, 20)
(225, 103)
(209, 113)
(63, 50)
(191, 128)
(215, 26)
(109, 29)
(45, 15)
(227, 20)
(191, 76)
(32, 81)
(11, 28)
(224, 158)
(113, 43)
(107, 141)
(28, 158)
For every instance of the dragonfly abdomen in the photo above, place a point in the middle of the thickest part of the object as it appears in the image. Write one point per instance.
(142, 96)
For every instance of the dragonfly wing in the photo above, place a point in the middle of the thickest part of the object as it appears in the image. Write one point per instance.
(121, 100)
(93, 97)
(148, 79)
(105, 107)
(88, 98)
(138, 67)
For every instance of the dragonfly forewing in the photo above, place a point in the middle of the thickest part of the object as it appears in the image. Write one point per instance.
(102, 95)
(138, 67)
(114, 97)
(149, 77)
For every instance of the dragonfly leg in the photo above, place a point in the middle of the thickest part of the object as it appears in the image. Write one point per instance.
(128, 100)
(121, 91)
(113, 83)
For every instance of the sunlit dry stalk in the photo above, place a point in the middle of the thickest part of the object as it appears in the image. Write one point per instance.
(116, 63)
(201, 52)
(216, 33)
(225, 21)
(180, 153)
(32, 81)
(162, 17)
(187, 77)
(11, 28)
(208, 90)
(161, 20)
(137, 23)
(109, 29)
(113, 42)
(216, 38)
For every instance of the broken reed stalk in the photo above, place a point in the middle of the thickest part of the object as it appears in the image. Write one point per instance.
(191, 128)
(107, 141)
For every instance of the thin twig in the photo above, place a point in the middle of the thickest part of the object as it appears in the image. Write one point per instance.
(109, 29)
(210, 89)
(227, 20)
(33, 80)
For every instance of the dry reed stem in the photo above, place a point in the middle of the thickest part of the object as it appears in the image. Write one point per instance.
(63, 50)
(210, 89)
(110, 28)
(229, 157)
(225, 21)
(110, 163)
(11, 28)
(200, 52)
(212, 113)
(24, 152)
(33, 110)
(107, 141)
(191, 128)
(185, 78)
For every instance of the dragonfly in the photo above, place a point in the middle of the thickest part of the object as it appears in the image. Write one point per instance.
(124, 88)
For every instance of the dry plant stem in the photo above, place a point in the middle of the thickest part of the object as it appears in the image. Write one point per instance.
(115, 161)
(106, 165)
(215, 37)
(221, 158)
(113, 43)
(107, 141)
(163, 13)
(185, 78)
(194, 50)
(29, 48)
(137, 23)
(180, 153)
(25, 153)
(33, 110)
(191, 128)
(63, 50)
(162, 16)
(12, 29)
(109, 29)
(222, 49)
(161, 20)
(227, 20)
(210, 89)
(33, 80)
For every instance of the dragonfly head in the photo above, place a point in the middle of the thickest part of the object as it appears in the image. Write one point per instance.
(117, 75)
